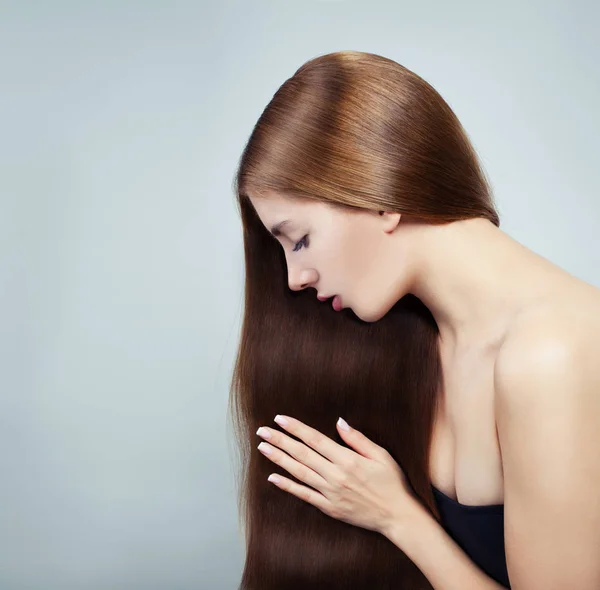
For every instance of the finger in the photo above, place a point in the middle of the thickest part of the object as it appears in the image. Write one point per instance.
(316, 440)
(359, 442)
(299, 451)
(304, 493)
(299, 471)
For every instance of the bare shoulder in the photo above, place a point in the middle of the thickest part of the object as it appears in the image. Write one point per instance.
(547, 410)
(562, 331)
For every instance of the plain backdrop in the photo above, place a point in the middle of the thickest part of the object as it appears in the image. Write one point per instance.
(121, 277)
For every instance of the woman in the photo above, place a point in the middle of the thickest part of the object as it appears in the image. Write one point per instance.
(465, 364)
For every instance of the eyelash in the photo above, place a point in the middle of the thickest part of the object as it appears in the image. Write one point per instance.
(303, 240)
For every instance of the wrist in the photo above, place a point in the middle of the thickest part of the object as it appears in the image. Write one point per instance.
(402, 526)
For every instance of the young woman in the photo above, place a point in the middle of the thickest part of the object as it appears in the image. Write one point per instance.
(380, 288)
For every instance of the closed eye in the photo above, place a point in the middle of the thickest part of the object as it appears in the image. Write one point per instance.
(298, 245)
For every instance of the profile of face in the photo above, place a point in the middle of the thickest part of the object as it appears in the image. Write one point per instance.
(352, 253)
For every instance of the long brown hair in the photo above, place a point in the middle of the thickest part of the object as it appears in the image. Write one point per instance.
(356, 130)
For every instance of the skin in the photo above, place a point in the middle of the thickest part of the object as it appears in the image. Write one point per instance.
(521, 330)
(473, 277)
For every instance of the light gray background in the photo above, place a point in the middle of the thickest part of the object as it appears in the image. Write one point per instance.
(121, 125)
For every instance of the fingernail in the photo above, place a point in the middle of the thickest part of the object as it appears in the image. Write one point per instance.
(281, 420)
(265, 448)
(343, 424)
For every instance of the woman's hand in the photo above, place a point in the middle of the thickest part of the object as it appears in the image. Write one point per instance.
(366, 488)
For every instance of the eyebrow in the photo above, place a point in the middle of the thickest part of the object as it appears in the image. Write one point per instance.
(276, 229)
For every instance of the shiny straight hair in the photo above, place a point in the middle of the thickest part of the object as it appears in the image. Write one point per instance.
(357, 131)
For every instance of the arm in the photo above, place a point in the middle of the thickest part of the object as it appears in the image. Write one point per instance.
(547, 386)
(441, 560)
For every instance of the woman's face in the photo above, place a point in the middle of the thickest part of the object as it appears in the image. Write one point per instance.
(349, 253)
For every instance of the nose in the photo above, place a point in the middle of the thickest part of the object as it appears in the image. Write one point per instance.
(298, 280)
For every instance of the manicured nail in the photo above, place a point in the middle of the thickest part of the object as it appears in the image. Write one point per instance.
(274, 478)
(265, 448)
(343, 424)
(281, 420)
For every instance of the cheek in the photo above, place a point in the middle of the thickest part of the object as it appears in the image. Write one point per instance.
(363, 258)
(348, 260)
(351, 275)
(369, 278)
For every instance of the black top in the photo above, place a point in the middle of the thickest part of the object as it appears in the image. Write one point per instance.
(479, 530)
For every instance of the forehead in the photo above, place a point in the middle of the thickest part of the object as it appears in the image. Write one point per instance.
(275, 208)
(270, 206)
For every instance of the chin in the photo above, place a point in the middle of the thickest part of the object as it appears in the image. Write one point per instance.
(372, 315)
(368, 317)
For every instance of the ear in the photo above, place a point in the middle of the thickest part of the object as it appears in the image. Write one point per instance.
(391, 220)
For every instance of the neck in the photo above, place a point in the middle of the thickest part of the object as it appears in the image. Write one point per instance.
(475, 279)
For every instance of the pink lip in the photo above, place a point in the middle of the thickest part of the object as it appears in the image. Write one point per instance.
(337, 303)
